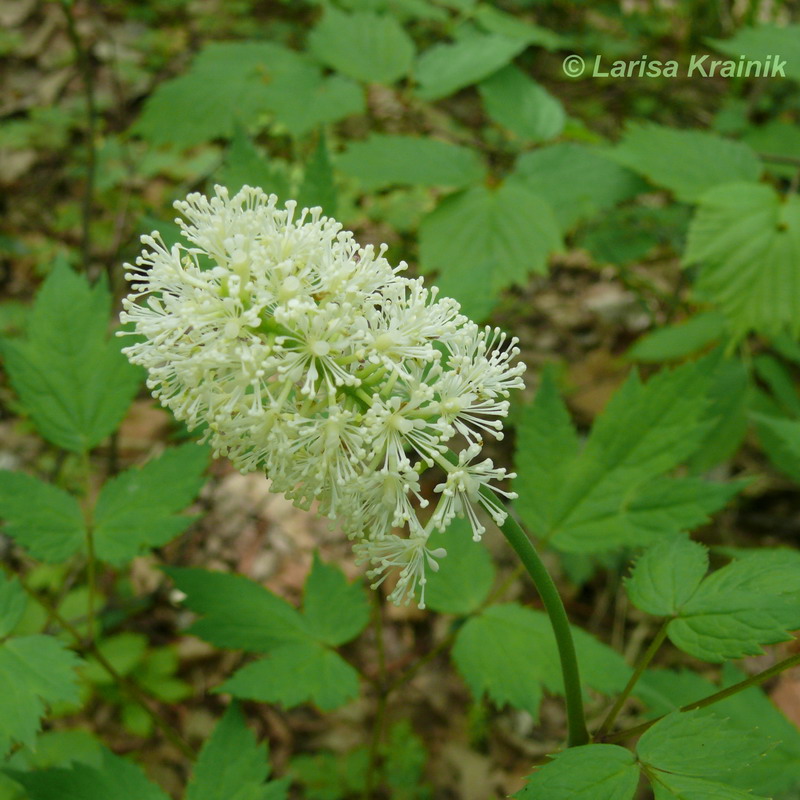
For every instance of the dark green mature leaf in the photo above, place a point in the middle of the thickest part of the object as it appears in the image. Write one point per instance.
(37, 671)
(13, 602)
(752, 601)
(317, 188)
(509, 653)
(465, 576)
(483, 240)
(115, 779)
(745, 239)
(237, 613)
(667, 575)
(385, 160)
(335, 611)
(245, 166)
(577, 181)
(365, 46)
(42, 518)
(446, 68)
(139, 508)
(518, 103)
(231, 765)
(780, 42)
(71, 378)
(296, 673)
(591, 772)
(688, 163)
(780, 438)
(680, 787)
(231, 83)
(613, 492)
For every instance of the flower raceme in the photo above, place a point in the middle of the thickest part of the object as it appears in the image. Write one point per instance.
(313, 359)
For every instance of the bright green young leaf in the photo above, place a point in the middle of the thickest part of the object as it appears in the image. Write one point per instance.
(335, 611)
(780, 42)
(301, 672)
(780, 438)
(386, 160)
(68, 373)
(237, 613)
(138, 509)
(699, 745)
(13, 602)
(317, 188)
(116, 779)
(42, 518)
(613, 492)
(365, 46)
(465, 575)
(245, 166)
(688, 163)
(673, 342)
(745, 241)
(666, 575)
(518, 103)
(591, 772)
(446, 68)
(38, 671)
(577, 181)
(231, 765)
(509, 653)
(123, 651)
(59, 748)
(483, 240)
(752, 601)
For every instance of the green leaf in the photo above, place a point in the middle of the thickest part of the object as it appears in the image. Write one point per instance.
(780, 382)
(688, 163)
(492, 20)
(317, 188)
(42, 518)
(591, 772)
(780, 42)
(139, 508)
(335, 611)
(667, 575)
(680, 787)
(231, 765)
(385, 160)
(698, 745)
(613, 492)
(520, 104)
(115, 779)
(368, 47)
(780, 439)
(509, 653)
(245, 166)
(545, 427)
(577, 181)
(405, 757)
(38, 671)
(123, 651)
(752, 601)
(677, 341)
(482, 240)
(13, 602)
(237, 613)
(301, 672)
(331, 776)
(745, 240)
(445, 68)
(465, 576)
(70, 377)
(230, 83)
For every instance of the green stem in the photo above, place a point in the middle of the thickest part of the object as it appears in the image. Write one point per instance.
(723, 694)
(91, 560)
(642, 664)
(383, 695)
(518, 539)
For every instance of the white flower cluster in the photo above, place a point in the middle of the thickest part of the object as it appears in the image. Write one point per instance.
(312, 359)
